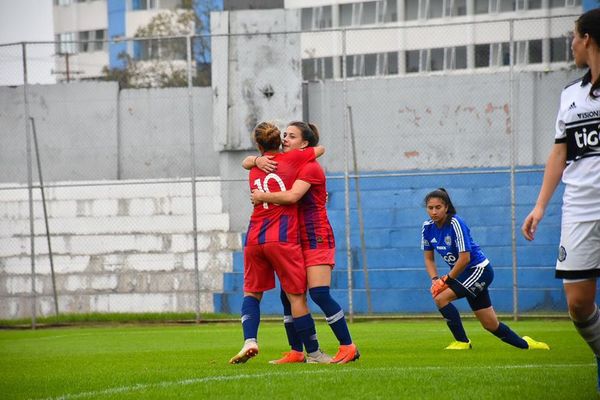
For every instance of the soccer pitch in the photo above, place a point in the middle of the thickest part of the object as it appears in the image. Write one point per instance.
(399, 359)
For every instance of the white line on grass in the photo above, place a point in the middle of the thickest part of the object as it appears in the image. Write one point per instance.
(224, 378)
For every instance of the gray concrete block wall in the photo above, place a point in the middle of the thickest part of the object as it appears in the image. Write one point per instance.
(116, 248)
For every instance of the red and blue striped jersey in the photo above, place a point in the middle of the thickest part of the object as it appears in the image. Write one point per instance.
(273, 222)
(315, 229)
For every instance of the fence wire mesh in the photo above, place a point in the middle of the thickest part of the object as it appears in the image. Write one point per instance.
(121, 127)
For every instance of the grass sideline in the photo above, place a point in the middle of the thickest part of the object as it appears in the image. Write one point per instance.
(190, 318)
(400, 359)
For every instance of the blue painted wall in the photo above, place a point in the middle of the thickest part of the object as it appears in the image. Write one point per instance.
(393, 213)
(116, 28)
(590, 4)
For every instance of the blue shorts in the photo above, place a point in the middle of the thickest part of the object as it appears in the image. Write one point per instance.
(473, 284)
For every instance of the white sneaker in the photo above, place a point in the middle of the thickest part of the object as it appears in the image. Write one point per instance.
(318, 357)
(249, 350)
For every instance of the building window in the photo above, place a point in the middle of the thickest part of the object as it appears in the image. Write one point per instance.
(560, 49)
(482, 6)
(564, 3)
(387, 63)
(455, 58)
(315, 18)
(412, 61)
(528, 52)
(455, 8)
(428, 9)
(500, 54)
(314, 69)
(528, 5)
(387, 11)
(66, 43)
(90, 41)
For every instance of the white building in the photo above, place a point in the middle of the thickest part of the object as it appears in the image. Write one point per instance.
(423, 36)
(87, 32)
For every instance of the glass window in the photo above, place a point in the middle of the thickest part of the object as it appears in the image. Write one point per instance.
(436, 8)
(455, 57)
(306, 19)
(67, 43)
(412, 61)
(455, 8)
(507, 5)
(100, 44)
(560, 49)
(392, 63)
(557, 3)
(387, 11)
(437, 59)
(534, 4)
(500, 54)
(482, 55)
(346, 14)
(308, 69)
(325, 20)
(411, 10)
(84, 45)
(370, 62)
(482, 7)
(535, 51)
(369, 13)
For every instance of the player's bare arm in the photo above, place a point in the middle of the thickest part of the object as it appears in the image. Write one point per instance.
(299, 189)
(552, 174)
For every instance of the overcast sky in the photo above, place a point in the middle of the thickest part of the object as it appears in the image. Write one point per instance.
(24, 21)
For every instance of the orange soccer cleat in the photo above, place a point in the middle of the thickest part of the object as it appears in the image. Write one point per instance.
(346, 354)
(290, 357)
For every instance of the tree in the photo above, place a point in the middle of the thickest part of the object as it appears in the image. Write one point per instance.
(161, 53)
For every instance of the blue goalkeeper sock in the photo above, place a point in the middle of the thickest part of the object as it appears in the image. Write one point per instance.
(305, 327)
(452, 317)
(288, 322)
(333, 313)
(507, 335)
(250, 317)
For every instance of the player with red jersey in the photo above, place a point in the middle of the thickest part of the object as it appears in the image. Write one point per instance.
(273, 245)
(318, 242)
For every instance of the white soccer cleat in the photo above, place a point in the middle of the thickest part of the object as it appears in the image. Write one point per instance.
(249, 350)
(318, 357)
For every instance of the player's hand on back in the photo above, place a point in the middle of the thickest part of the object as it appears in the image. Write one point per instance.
(266, 164)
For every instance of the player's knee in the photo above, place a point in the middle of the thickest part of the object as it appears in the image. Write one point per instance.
(440, 302)
(580, 309)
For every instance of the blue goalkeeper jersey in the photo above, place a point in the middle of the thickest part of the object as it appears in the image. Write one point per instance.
(449, 240)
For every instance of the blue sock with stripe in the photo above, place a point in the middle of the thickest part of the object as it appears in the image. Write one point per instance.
(250, 317)
(507, 335)
(288, 322)
(333, 313)
(305, 327)
(452, 317)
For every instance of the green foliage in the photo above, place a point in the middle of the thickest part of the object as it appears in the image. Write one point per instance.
(400, 359)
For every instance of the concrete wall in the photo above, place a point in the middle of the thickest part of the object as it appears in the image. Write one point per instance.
(91, 131)
(120, 246)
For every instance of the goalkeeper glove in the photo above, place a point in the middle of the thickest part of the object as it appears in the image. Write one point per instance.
(439, 285)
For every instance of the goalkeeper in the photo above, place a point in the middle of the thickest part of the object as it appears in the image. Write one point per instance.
(470, 274)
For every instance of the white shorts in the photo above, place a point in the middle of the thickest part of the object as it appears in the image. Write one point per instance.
(579, 251)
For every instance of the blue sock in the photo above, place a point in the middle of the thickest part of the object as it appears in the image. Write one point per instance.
(452, 317)
(333, 313)
(507, 335)
(305, 327)
(250, 317)
(288, 322)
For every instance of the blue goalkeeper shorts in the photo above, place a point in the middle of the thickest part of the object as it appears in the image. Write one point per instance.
(473, 284)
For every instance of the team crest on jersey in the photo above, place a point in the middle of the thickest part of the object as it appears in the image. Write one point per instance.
(562, 254)
(448, 240)
(425, 242)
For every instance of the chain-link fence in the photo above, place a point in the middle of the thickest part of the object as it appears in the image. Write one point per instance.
(99, 141)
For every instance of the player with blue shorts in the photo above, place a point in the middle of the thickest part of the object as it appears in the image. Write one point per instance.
(470, 274)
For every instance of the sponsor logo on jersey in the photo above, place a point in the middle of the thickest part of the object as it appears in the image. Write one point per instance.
(583, 140)
(433, 240)
(589, 114)
(425, 242)
(441, 247)
(562, 254)
(448, 240)
(572, 106)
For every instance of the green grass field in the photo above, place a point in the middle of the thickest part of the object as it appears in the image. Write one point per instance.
(400, 359)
